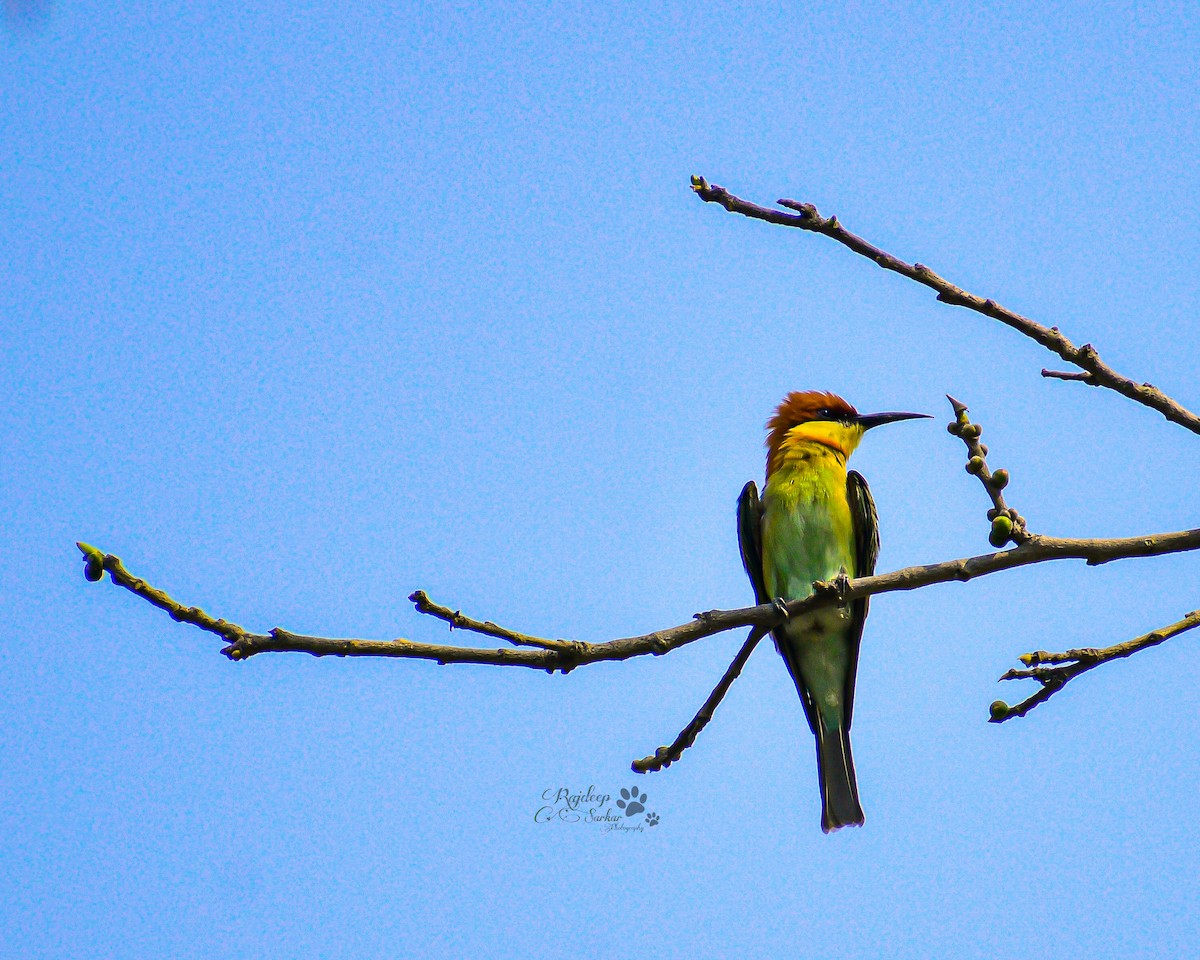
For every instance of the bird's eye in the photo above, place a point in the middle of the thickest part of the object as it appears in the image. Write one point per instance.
(826, 414)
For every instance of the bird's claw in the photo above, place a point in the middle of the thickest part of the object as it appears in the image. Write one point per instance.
(779, 605)
(839, 586)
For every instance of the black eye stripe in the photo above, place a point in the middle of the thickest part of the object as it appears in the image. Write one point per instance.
(833, 416)
(826, 414)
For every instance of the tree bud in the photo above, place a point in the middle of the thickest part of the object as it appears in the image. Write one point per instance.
(1001, 530)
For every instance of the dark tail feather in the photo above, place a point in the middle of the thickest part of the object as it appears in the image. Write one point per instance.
(839, 789)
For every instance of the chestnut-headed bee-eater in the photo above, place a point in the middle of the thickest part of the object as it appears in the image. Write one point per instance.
(816, 521)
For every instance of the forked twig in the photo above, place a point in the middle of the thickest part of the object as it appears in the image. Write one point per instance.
(1072, 663)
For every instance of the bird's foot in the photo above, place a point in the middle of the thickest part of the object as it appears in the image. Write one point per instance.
(779, 605)
(838, 587)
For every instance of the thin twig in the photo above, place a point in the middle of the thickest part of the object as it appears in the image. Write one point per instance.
(95, 563)
(665, 756)
(455, 618)
(808, 218)
(1074, 662)
(1081, 376)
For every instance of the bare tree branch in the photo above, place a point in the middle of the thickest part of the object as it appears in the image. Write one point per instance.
(665, 756)
(565, 655)
(1101, 375)
(1074, 662)
(542, 654)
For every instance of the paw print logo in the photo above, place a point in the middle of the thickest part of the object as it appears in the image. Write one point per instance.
(652, 819)
(631, 802)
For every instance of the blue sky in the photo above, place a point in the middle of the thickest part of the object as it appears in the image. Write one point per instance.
(303, 308)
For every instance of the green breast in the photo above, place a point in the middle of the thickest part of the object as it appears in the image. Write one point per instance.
(808, 533)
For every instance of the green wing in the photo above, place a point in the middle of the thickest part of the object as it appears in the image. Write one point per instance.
(866, 549)
(750, 539)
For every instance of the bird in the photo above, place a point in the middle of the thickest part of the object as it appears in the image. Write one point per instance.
(816, 521)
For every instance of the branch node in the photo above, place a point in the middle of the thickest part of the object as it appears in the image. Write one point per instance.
(807, 211)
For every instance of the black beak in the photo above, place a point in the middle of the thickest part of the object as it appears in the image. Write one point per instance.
(869, 420)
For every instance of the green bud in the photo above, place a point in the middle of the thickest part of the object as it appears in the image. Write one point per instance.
(1000, 479)
(972, 431)
(93, 569)
(983, 448)
(993, 514)
(975, 465)
(1001, 530)
(954, 428)
(998, 709)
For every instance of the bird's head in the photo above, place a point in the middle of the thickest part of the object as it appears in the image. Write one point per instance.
(825, 418)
